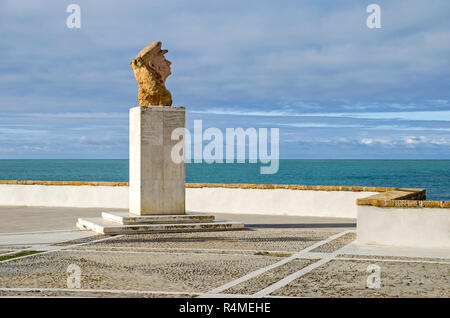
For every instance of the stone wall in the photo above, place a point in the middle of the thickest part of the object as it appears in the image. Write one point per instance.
(306, 200)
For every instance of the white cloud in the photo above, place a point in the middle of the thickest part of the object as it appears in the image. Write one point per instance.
(367, 141)
(407, 115)
(312, 64)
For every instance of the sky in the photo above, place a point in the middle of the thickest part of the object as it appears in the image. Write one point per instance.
(335, 88)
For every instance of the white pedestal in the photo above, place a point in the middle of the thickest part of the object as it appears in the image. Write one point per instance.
(156, 182)
(157, 190)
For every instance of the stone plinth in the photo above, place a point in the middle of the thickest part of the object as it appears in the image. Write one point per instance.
(156, 181)
(157, 188)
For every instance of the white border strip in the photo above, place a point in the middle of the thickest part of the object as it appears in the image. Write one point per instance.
(277, 264)
(119, 291)
(110, 291)
(305, 270)
(159, 253)
(38, 232)
(374, 260)
(186, 249)
(59, 248)
(11, 253)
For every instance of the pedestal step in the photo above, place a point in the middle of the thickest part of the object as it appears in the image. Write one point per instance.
(103, 226)
(126, 218)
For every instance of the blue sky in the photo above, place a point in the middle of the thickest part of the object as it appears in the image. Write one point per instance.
(334, 88)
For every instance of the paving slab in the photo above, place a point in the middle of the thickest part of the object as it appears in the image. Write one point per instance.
(82, 293)
(264, 221)
(176, 273)
(261, 239)
(378, 250)
(102, 226)
(268, 278)
(83, 240)
(336, 244)
(30, 219)
(178, 264)
(349, 279)
(175, 250)
(34, 239)
(5, 251)
(396, 258)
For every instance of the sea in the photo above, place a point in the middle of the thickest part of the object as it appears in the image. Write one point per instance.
(433, 175)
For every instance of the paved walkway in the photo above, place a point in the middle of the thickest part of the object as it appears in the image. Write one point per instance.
(42, 225)
(275, 256)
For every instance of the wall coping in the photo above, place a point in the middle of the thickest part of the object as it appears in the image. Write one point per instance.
(406, 203)
(402, 198)
(386, 196)
(216, 185)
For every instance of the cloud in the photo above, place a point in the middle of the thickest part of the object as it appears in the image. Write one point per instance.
(312, 68)
(241, 51)
(415, 115)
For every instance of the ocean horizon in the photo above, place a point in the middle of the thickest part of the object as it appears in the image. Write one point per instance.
(433, 175)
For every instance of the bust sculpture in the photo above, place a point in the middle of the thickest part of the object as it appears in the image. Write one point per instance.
(151, 70)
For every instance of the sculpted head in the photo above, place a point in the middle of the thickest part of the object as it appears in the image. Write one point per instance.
(151, 69)
(153, 57)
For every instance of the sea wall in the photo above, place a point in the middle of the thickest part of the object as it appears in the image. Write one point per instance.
(81, 195)
(385, 216)
(323, 201)
(398, 218)
(406, 227)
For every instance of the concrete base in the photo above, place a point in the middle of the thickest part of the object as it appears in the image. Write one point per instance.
(101, 226)
(125, 223)
(128, 218)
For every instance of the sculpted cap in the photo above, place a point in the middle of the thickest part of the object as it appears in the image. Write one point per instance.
(151, 70)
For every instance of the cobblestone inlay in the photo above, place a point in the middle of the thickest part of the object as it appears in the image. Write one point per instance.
(187, 273)
(89, 294)
(82, 240)
(268, 278)
(394, 258)
(6, 247)
(182, 251)
(290, 240)
(336, 244)
(349, 279)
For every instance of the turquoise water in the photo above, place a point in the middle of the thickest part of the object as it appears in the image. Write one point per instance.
(433, 175)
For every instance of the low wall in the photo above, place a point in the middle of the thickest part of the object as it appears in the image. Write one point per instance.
(396, 218)
(80, 196)
(324, 201)
(274, 201)
(385, 216)
(408, 227)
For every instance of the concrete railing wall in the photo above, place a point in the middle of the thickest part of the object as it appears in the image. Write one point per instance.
(274, 201)
(408, 227)
(403, 218)
(385, 216)
(320, 201)
(83, 196)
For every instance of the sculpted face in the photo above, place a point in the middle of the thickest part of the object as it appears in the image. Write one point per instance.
(151, 69)
(154, 58)
(161, 65)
